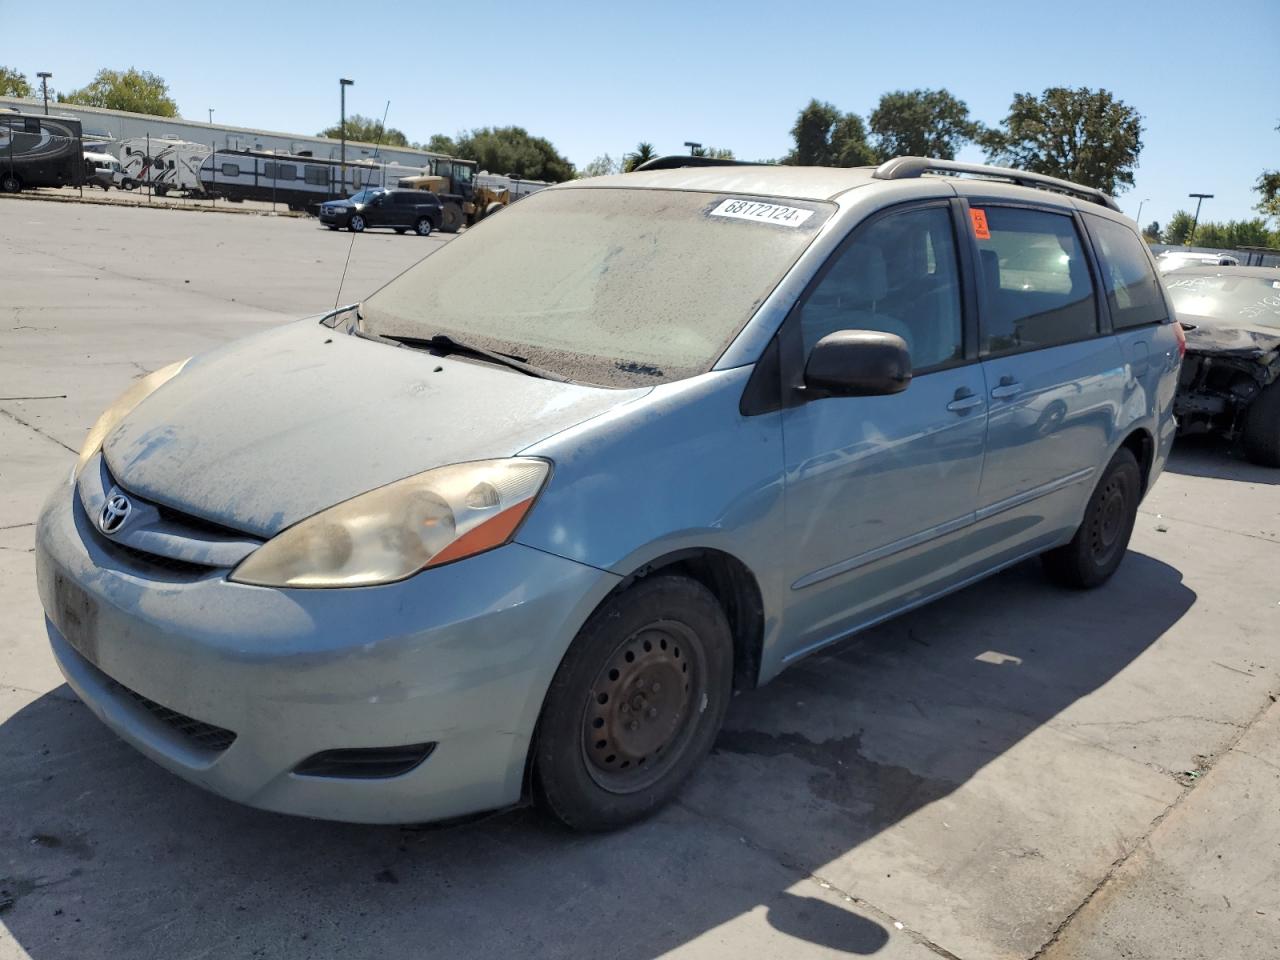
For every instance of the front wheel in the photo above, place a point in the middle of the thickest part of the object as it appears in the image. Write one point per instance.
(1100, 543)
(356, 223)
(423, 227)
(10, 183)
(635, 705)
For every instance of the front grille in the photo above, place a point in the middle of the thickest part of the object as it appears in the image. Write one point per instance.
(368, 763)
(199, 734)
(154, 565)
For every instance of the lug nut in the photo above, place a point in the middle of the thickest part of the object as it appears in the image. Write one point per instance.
(656, 686)
(634, 725)
(653, 712)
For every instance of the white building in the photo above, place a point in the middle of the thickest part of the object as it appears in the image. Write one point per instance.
(116, 125)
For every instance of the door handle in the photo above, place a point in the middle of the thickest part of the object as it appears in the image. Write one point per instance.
(1007, 390)
(965, 401)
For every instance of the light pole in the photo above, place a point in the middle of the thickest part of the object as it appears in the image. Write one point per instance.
(211, 116)
(44, 76)
(1139, 216)
(343, 83)
(693, 147)
(1200, 198)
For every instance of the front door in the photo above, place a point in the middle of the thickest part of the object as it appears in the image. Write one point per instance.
(875, 485)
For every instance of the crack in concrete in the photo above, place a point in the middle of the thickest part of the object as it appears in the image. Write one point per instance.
(1209, 762)
(883, 917)
(1209, 526)
(34, 429)
(19, 526)
(1139, 723)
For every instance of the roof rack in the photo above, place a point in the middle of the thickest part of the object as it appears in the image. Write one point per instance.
(675, 162)
(906, 168)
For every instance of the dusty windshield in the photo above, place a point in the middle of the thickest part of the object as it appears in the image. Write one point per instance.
(1246, 300)
(620, 287)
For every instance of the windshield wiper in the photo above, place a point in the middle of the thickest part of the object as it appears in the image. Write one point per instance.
(445, 345)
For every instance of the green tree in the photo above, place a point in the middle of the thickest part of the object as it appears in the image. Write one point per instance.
(1268, 187)
(1178, 230)
(643, 153)
(826, 137)
(1152, 232)
(1076, 133)
(366, 130)
(439, 143)
(601, 166)
(1234, 234)
(921, 123)
(137, 91)
(514, 151)
(13, 83)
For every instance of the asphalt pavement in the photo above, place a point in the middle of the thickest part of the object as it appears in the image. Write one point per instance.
(1016, 771)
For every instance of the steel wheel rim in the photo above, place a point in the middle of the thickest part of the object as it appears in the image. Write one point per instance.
(1108, 520)
(424, 228)
(632, 733)
(357, 223)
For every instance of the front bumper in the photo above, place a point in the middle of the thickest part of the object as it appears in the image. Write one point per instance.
(460, 656)
(336, 218)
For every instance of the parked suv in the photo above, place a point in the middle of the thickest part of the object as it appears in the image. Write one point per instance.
(520, 534)
(401, 210)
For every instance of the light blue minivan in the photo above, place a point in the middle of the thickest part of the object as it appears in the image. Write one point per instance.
(516, 526)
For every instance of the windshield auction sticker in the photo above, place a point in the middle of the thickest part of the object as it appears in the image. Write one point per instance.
(774, 213)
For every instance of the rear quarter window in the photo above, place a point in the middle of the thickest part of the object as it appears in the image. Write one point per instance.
(1133, 292)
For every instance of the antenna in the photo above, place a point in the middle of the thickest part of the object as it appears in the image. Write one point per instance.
(343, 278)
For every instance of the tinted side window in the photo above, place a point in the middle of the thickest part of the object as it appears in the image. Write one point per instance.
(1036, 285)
(317, 176)
(899, 275)
(1132, 288)
(231, 169)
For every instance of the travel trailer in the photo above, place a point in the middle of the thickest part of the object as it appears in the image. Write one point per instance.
(298, 182)
(165, 165)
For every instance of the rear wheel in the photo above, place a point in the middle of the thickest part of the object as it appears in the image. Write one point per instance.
(423, 227)
(9, 183)
(1262, 428)
(356, 223)
(1100, 543)
(451, 218)
(635, 705)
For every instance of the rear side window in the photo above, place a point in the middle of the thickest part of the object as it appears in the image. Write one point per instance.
(1036, 286)
(1132, 289)
(231, 169)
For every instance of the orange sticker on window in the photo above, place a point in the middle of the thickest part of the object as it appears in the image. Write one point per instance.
(979, 218)
(979, 223)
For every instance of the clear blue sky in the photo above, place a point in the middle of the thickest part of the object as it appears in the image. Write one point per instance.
(597, 78)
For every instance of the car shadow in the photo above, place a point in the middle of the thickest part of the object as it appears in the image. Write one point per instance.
(1217, 459)
(104, 854)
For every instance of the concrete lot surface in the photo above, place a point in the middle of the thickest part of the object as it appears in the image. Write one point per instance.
(1016, 771)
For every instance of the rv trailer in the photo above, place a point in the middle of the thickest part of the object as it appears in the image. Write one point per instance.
(299, 182)
(166, 165)
(39, 151)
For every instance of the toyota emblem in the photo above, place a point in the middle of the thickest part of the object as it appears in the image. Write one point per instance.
(114, 513)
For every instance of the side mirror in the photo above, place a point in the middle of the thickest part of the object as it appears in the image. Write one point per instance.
(858, 363)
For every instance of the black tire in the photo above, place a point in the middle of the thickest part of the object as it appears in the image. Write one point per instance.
(1100, 543)
(492, 208)
(10, 183)
(356, 224)
(1262, 428)
(161, 190)
(635, 705)
(451, 218)
(423, 227)
(332, 226)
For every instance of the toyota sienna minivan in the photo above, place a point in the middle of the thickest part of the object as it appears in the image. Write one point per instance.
(517, 525)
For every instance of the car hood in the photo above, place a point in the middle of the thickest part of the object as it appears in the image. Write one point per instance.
(1221, 337)
(338, 204)
(272, 429)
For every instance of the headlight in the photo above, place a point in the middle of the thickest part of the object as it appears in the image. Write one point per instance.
(395, 531)
(125, 405)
